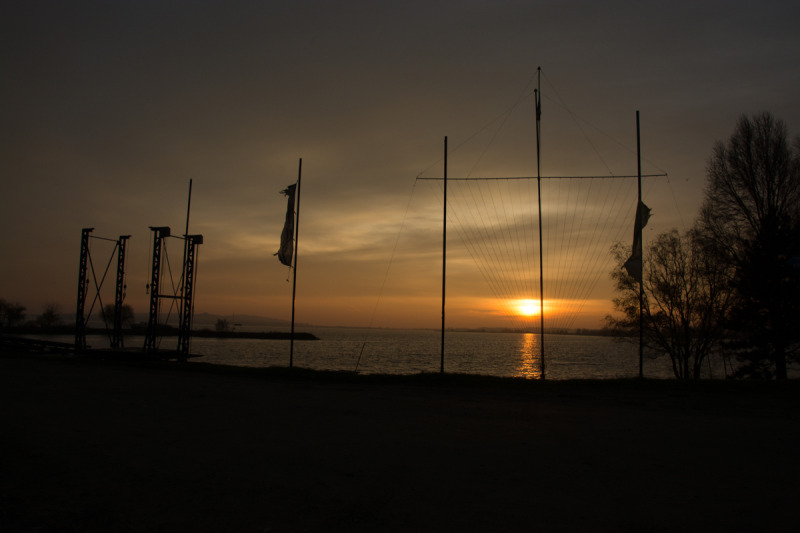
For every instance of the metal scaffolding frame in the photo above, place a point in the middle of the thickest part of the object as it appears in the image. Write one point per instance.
(83, 282)
(119, 293)
(187, 309)
(151, 334)
(85, 267)
(186, 296)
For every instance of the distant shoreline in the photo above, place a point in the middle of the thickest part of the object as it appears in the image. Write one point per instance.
(298, 335)
(163, 331)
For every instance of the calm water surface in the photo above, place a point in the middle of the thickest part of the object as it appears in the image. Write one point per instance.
(389, 351)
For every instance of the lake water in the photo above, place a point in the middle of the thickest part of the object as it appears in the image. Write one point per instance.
(390, 351)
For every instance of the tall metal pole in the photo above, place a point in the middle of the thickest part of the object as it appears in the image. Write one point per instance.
(294, 280)
(538, 100)
(186, 231)
(181, 318)
(444, 250)
(640, 250)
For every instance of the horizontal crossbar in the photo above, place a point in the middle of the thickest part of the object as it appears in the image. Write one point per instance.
(548, 177)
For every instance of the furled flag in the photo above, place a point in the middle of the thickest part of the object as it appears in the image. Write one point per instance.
(634, 263)
(287, 235)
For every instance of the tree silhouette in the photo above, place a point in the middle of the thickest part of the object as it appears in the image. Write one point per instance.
(750, 220)
(128, 316)
(685, 301)
(11, 314)
(51, 315)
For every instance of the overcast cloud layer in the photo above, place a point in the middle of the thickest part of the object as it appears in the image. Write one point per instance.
(109, 108)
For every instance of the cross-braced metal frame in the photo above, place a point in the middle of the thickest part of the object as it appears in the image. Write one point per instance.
(186, 296)
(151, 334)
(84, 268)
(119, 293)
(187, 310)
(83, 282)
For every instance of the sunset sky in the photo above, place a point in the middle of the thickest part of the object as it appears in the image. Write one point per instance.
(109, 108)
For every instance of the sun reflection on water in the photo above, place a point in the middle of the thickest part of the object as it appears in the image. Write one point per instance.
(530, 358)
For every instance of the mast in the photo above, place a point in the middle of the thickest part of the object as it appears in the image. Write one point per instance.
(188, 211)
(444, 249)
(181, 318)
(640, 250)
(538, 100)
(294, 277)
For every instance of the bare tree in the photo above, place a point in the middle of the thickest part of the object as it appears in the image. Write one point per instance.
(685, 300)
(51, 316)
(128, 316)
(751, 219)
(11, 314)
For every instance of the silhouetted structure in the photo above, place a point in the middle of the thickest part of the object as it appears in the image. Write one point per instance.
(119, 293)
(445, 179)
(85, 265)
(185, 328)
(80, 325)
(186, 295)
(150, 338)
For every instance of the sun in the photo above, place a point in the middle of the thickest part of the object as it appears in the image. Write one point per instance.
(527, 308)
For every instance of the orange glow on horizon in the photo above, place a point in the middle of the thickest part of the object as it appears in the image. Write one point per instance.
(527, 308)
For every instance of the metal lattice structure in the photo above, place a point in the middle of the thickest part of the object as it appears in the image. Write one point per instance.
(119, 293)
(83, 282)
(185, 298)
(151, 335)
(187, 308)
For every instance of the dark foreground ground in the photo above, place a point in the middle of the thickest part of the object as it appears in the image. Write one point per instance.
(103, 446)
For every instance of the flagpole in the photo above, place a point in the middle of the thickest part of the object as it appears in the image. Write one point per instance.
(185, 253)
(182, 320)
(444, 250)
(641, 251)
(538, 101)
(294, 277)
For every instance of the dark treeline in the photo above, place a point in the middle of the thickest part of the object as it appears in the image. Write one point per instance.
(12, 320)
(163, 330)
(731, 284)
(12, 315)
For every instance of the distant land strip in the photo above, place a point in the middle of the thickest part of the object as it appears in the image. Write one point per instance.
(163, 331)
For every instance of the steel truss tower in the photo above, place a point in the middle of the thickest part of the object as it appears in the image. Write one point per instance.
(119, 293)
(187, 312)
(151, 335)
(83, 282)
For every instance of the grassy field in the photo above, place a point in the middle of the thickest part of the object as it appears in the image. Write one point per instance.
(97, 445)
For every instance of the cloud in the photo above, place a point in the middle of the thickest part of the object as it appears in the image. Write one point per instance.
(113, 107)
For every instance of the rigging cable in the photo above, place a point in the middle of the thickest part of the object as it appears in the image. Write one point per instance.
(98, 286)
(386, 274)
(493, 222)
